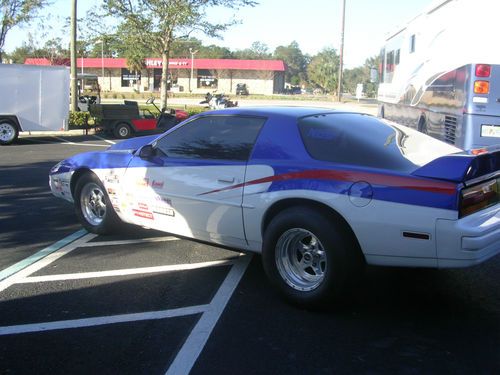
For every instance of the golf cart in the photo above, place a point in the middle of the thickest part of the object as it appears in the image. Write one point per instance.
(125, 120)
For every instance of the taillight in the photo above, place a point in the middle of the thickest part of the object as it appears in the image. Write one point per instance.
(481, 87)
(483, 70)
(478, 197)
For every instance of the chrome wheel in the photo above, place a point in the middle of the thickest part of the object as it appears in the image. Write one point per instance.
(93, 203)
(301, 259)
(7, 132)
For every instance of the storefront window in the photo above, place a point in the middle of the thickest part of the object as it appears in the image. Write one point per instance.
(206, 79)
(130, 78)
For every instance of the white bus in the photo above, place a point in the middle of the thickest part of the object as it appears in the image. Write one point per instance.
(440, 73)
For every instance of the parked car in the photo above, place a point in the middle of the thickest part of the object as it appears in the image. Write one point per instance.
(317, 192)
(127, 119)
(242, 89)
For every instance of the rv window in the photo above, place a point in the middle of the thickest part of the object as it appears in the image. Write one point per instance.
(396, 59)
(412, 43)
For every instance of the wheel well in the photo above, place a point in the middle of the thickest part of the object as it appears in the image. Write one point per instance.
(13, 120)
(279, 206)
(76, 176)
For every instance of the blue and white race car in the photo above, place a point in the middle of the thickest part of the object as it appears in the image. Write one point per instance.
(317, 192)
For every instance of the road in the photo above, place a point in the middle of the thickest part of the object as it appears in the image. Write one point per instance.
(144, 302)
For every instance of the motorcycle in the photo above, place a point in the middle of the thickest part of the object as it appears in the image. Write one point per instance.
(218, 101)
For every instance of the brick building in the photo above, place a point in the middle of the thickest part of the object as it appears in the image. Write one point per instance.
(261, 76)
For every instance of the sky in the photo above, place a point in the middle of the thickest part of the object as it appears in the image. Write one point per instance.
(313, 24)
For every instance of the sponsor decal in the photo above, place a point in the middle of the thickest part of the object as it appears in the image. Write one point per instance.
(157, 184)
(167, 201)
(145, 182)
(164, 211)
(143, 214)
(112, 179)
(143, 206)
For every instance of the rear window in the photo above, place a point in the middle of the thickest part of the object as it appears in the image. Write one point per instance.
(364, 140)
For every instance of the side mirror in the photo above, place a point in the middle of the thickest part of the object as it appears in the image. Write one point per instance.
(147, 152)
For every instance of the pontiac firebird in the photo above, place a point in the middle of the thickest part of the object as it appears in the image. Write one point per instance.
(317, 192)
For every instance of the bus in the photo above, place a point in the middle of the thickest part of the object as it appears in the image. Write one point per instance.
(440, 73)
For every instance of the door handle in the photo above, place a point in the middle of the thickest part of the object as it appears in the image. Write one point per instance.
(226, 180)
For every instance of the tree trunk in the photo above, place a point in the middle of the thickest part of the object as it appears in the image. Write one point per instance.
(165, 56)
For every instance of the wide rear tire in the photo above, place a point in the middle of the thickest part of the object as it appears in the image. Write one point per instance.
(308, 256)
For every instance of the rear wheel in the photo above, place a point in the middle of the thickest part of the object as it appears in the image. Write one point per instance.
(422, 125)
(122, 131)
(8, 132)
(93, 207)
(308, 256)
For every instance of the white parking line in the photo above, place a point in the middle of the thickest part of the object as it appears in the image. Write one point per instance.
(130, 242)
(194, 344)
(105, 140)
(101, 320)
(43, 262)
(196, 341)
(66, 142)
(124, 272)
(40, 254)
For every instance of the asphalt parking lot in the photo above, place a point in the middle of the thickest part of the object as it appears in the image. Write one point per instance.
(144, 302)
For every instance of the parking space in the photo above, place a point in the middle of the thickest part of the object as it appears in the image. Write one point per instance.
(91, 288)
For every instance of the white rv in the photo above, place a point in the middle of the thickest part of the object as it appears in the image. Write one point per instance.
(32, 98)
(440, 73)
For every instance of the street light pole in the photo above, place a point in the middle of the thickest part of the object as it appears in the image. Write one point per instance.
(192, 67)
(73, 71)
(341, 54)
(102, 58)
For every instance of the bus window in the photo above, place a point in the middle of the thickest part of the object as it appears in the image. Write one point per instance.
(412, 43)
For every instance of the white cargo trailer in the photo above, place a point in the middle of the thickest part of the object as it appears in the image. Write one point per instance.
(32, 98)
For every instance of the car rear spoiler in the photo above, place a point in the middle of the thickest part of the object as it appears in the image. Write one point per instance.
(466, 167)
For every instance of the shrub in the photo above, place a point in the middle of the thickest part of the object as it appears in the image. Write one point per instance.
(79, 118)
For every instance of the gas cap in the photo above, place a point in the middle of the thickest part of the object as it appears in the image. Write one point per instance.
(360, 193)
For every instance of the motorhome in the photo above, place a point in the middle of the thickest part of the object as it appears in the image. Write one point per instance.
(440, 73)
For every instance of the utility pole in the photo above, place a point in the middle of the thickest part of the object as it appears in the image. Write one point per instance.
(341, 55)
(74, 106)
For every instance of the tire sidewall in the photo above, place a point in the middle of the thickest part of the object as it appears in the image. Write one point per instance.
(16, 132)
(110, 221)
(333, 242)
(119, 126)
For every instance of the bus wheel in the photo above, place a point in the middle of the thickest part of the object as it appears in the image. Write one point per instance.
(422, 125)
(381, 112)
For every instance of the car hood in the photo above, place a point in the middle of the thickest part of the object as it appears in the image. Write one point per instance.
(133, 144)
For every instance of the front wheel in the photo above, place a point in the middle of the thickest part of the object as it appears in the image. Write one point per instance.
(308, 256)
(93, 207)
(8, 132)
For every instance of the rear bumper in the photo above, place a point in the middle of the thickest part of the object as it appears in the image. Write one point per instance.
(470, 240)
(473, 137)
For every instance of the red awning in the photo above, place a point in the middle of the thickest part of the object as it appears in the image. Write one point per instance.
(150, 63)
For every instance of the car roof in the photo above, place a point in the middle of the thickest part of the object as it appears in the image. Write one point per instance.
(291, 111)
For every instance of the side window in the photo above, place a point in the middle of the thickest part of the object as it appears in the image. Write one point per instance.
(412, 43)
(213, 137)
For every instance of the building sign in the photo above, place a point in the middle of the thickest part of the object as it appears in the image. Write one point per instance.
(156, 63)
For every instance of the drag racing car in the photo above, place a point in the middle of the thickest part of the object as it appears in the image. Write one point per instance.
(317, 192)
